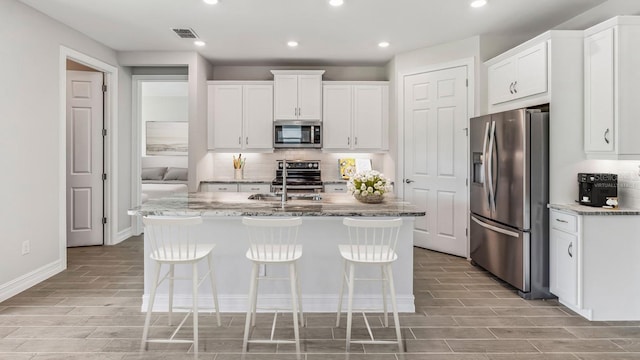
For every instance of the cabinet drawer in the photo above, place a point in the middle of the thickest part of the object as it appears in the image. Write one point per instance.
(254, 188)
(335, 188)
(563, 221)
(219, 187)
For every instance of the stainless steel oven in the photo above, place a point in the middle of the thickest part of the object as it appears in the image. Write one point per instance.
(303, 176)
(297, 134)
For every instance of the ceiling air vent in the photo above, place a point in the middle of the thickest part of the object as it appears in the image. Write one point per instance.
(186, 33)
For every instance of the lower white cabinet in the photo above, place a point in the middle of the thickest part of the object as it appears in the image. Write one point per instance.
(593, 263)
(335, 188)
(255, 188)
(235, 187)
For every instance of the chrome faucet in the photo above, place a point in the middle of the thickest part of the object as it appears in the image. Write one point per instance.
(284, 182)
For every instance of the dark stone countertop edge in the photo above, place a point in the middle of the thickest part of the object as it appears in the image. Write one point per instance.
(588, 210)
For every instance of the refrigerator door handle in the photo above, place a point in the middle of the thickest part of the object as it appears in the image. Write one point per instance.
(484, 162)
(495, 228)
(492, 196)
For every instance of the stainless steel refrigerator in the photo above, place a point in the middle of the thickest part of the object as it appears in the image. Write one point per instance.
(509, 192)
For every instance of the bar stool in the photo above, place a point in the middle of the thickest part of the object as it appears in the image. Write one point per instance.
(273, 241)
(171, 244)
(371, 242)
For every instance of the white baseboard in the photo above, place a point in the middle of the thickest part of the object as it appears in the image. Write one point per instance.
(26, 281)
(122, 236)
(311, 304)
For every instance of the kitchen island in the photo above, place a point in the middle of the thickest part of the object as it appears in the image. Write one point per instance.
(320, 267)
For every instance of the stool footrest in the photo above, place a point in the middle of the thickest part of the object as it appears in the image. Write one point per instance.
(266, 341)
(164, 341)
(374, 341)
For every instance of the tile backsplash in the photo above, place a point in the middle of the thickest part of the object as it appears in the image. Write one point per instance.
(628, 179)
(263, 166)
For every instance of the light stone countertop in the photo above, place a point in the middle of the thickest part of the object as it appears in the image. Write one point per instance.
(590, 210)
(238, 204)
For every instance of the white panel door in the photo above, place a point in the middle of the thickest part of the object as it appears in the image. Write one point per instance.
(84, 158)
(563, 266)
(258, 116)
(226, 116)
(285, 97)
(337, 114)
(435, 118)
(367, 117)
(501, 78)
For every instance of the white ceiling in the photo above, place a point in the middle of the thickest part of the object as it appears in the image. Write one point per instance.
(256, 31)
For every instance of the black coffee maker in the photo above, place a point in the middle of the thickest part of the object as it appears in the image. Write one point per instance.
(595, 188)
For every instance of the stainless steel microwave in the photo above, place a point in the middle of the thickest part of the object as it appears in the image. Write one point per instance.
(297, 134)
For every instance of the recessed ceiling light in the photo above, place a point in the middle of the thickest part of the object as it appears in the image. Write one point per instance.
(336, 2)
(478, 3)
(210, 2)
(199, 43)
(383, 44)
(292, 43)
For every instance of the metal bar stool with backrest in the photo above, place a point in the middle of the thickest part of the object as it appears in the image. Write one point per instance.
(273, 241)
(171, 244)
(371, 242)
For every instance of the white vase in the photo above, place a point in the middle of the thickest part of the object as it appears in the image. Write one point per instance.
(238, 174)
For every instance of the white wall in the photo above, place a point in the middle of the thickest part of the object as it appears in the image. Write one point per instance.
(332, 73)
(30, 139)
(124, 152)
(601, 13)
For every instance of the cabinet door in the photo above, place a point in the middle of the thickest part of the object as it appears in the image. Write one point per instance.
(286, 97)
(531, 71)
(309, 97)
(563, 269)
(258, 116)
(254, 188)
(219, 187)
(368, 117)
(599, 92)
(501, 78)
(336, 120)
(225, 116)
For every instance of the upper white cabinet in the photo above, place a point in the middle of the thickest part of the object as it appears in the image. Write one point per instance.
(355, 116)
(298, 94)
(611, 63)
(240, 115)
(521, 75)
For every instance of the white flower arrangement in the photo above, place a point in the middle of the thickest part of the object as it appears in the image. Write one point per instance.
(367, 183)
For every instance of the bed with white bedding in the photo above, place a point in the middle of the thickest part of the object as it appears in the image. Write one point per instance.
(160, 182)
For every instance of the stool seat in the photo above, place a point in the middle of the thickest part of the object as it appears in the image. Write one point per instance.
(195, 254)
(369, 254)
(273, 254)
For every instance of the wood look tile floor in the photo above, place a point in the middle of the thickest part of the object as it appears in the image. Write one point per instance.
(92, 311)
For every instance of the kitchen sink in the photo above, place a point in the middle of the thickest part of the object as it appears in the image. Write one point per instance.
(278, 197)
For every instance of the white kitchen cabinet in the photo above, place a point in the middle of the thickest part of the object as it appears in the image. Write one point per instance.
(254, 188)
(593, 262)
(355, 116)
(611, 62)
(240, 115)
(519, 76)
(335, 188)
(218, 187)
(563, 257)
(298, 94)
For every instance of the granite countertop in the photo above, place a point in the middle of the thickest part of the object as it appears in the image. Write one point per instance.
(590, 210)
(238, 204)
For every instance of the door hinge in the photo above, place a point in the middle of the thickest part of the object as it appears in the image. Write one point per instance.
(466, 131)
(466, 232)
(104, 220)
(104, 88)
(466, 182)
(466, 82)
(104, 132)
(104, 177)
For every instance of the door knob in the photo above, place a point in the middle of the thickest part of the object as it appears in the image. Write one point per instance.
(408, 181)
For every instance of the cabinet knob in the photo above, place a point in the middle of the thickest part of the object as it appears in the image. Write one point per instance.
(348, 141)
(239, 140)
(515, 87)
(570, 249)
(247, 140)
(606, 133)
(408, 181)
(511, 88)
(356, 141)
(562, 221)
